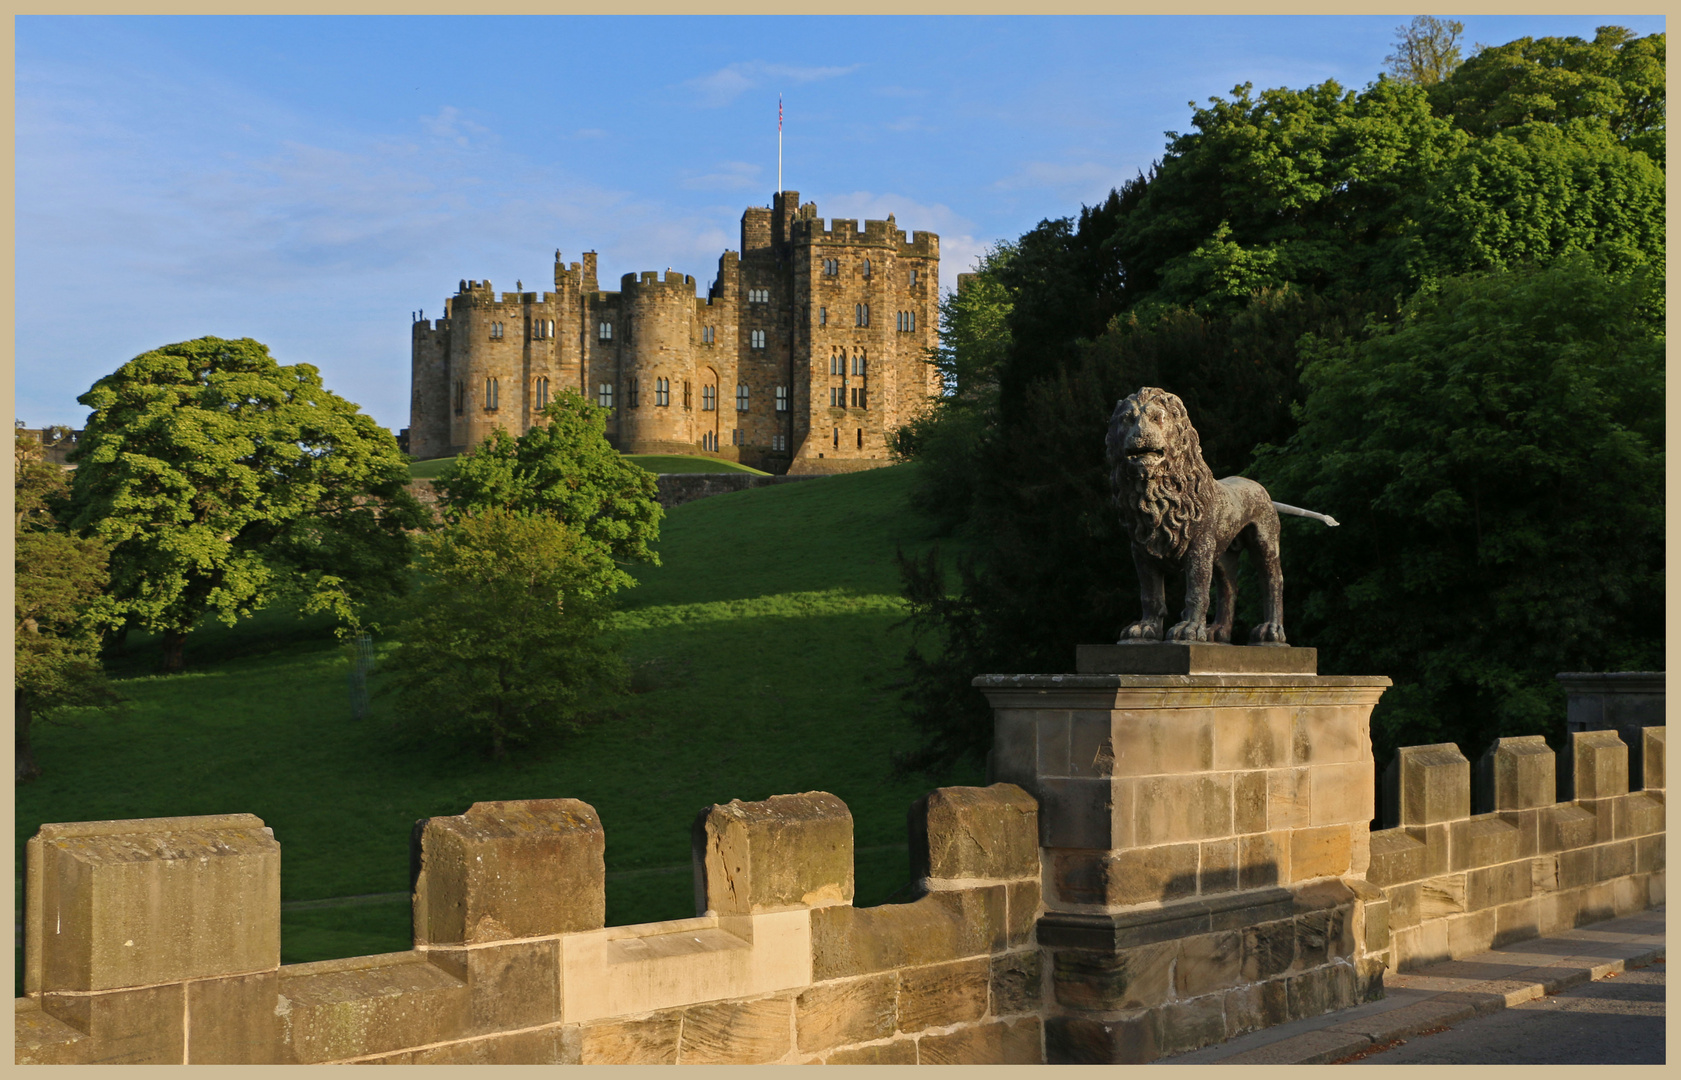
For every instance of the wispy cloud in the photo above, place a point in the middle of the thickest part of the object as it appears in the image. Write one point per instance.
(1064, 178)
(726, 176)
(723, 86)
(450, 123)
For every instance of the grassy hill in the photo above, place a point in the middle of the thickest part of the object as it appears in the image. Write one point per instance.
(766, 658)
(654, 463)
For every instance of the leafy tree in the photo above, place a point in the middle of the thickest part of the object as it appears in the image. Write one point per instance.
(506, 637)
(564, 466)
(56, 577)
(1496, 460)
(222, 479)
(1426, 50)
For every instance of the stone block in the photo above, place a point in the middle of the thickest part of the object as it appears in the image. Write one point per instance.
(943, 994)
(1129, 876)
(937, 927)
(736, 1032)
(1442, 896)
(1319, 936)
(1249, 802)
(42, 1039)
(1543, 874)
(1091, 751)
(1258, 738)
(648, 1041)
(1269, 950)
(897, 1052)
(1263, 859)
(1016, 983)
(1022, 899)
(1288, 799)
(1613, 860)
(1637, 814)
(1528, 826)
(1340, 792)
(124, 1027)
(1136, 978)
(1598, 767)
(1173, 809)
(1517, 922)
(1565, 826)
(832, 1014)
(1596, 903)
(1014, 758)
(1406, 904)
(1576, 868)
(1000, 1042)
(1052, 744)
(1154, 742)
(140, 902)
(231, 1021)
(1328, 734)
(1375, 926)
(1471, 933)
(1085, 813)
(509, 870)
(1437, 840)
(1652, 758)
(1431, 784)
(511, 985)
(1649, 854)
(1217, 869)
(1482, 841)
(1128, 1040)
(1519, 774)
(1491, 886)
(1310, 993)
(1188, 1025)
(1396, 858)
(1207, 963)
(960, 833)
(544, 1046)
(785, 852)
(1320, 852)
(1628, 895)
(332, 1010)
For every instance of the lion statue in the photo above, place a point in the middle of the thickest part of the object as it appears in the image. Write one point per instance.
(1181, 518)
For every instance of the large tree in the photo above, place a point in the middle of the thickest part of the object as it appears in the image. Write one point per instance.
(564, 466)
(56, 579)
(222, 479)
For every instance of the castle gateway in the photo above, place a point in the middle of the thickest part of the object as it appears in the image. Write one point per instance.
(804, 355)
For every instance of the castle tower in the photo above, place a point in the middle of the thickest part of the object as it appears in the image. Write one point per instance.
(805, 354)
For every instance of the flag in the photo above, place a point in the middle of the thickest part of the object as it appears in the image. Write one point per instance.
(779, 114)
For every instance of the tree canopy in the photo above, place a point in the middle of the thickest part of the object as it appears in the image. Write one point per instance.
(221, 479)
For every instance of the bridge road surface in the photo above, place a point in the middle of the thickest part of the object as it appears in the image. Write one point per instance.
(1617, 1020)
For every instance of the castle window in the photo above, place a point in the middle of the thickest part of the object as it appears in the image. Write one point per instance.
(662, 391)
(495, 330)
(604, 395)
(756, 339)
(708, 398)
(860, 438)
(758, 296)
(706, 335)
(635, 389)
(913, 277)
(782, 399)
(861, 313)
(490, 394)
(837, 438)
(542, 392)
(606, 331)
(831, 267)
(907, 321)
(740, 397)
(822, 316)
(866, 268)
(687, 400)
(858, 363)
(460, 397)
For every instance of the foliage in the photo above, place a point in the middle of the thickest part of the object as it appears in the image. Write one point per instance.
(506, 637)
(1426, 50)
(56, 577)
(1496, 460)
(221, 480)
(564, 466)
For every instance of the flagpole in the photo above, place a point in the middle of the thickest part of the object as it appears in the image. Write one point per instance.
(779, 143)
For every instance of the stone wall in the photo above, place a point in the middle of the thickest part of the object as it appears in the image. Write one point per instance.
(1560, 847)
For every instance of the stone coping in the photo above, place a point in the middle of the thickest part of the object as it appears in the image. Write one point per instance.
(1144, 692)
(1170, 682)
(1165, 921)
(1194, 658)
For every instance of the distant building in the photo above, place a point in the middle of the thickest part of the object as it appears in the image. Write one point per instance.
(803, 356)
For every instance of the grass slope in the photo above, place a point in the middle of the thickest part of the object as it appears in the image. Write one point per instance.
(654, 463)
(766, 656)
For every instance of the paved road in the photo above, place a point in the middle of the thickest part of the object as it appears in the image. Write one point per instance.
(1618, 1020)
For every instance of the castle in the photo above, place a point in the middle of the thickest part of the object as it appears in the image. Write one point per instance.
(803, 356)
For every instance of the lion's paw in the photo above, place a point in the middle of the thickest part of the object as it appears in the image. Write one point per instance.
(1141, 631)
(1268, 633)
(1188, 631)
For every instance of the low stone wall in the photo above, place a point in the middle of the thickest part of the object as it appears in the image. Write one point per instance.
(1559, 849)
(158, 941)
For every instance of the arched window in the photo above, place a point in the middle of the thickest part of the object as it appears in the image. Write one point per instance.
(542, 392)
(606, 331)
(662, 391)
(490, 394)
(604, 395)
(858, 315)
(708, 398)
(635, 389)
(756, 339)
(740, 397)
(706, 335)
(860, 438)
(866, 268)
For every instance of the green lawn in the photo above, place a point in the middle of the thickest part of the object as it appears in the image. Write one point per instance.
(654, 463)
(767, 655)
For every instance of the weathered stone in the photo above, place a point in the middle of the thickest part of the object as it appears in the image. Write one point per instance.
(1638, 814)
(1288, 798)
(1396, 857)
(1576, 868)
(1243, 1010)
(1470, 933)
(1077, 1040)
(943, 995)
(512, 985)
(510, 870)
(1269, 950)
(1430, 784)
(231, 1021)
(1320, 852)
(965, 833)
(1442, 896)
(1217, 871)
(1016, 983)
(1187, 1025)
(1406, 905)
(1130, 876)
(1492, 886)
(736, 1032)
(1613, 860)
(1527, 823)
(1519, 774)
(41, 1039)
(1317, 936)
(140, 902)
(1649, 854)
(1310, 993)
(897, 1052)
(1000, 1042)
(1208, 962)
(1598, 766)
(1263, 859)
(1564, 827)
(1482, 841)
(1516, 922)
(1136, 978)
(938, 927)
(1256, 738)
(544, 1046)
(1023, 902)
(1340, 792)
(650, 1041)
(1158, 742)
(1172, 809)
(1652, 751)
(834, 1014)
(1249, 802)
(785, 852)
(1081, 813)
(1333, 733)
(124, 1027)
(332, 1010)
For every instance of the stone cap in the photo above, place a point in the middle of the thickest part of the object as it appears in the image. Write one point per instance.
(1176, 691)
(1615, 682)
(1194, 658)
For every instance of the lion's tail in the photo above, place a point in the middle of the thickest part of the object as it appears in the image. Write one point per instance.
(1299, 512)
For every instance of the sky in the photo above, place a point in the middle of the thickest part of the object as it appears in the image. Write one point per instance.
(313, 182)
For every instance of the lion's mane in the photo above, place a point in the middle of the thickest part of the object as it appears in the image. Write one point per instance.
(1163, 506)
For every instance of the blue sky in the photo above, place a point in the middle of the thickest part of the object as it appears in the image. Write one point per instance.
(311, 182)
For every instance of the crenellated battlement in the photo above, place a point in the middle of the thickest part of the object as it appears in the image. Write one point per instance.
(673, 282)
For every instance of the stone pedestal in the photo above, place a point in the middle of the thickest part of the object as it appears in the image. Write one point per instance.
(1196, 830)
